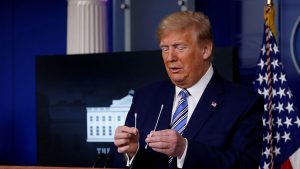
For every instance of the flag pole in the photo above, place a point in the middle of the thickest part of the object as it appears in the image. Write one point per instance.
(269, 16)
(269, 2)
(269, 22)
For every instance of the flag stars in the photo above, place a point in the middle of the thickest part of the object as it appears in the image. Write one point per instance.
(259, 91)
(275, 63)
(264, 122)
(279, 122)
(265, 107)
(265, 93)
(297, 122)
(261, 64)
(263, 50)
(268, 137)
(274, 92)
(289, 107)
(267, 152)
(288, 122)
(286, 136)
(282, 78)
(277, 137)
(273, 107)
(280, 107)
(269, 122)
(266, 78)
(260, 79)
(281, 92)
(275, 79)
(277, 151)
(266, 165)
(289, 93)
(275, 48)
(270, 33)
(273, 122)
(270, 47)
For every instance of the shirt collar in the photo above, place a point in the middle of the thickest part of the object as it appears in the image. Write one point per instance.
(197, 89)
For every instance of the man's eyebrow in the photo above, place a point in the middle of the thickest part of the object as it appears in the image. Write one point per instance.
(163, 46)
(173, 44)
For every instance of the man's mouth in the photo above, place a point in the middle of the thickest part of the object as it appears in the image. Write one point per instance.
(174, 69)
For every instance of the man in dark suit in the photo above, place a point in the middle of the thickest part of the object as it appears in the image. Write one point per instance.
(196, 119)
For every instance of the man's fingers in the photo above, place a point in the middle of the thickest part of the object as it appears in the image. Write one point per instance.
(160, 145)
(165, 141)
(150, 134)
(124, 132)
(123, 149)
(167, 132)
(160, 138)
(123, 136)
(125, 129)
(121, 142)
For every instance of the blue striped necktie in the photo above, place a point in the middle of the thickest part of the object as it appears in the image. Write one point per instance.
(179, 118)
(181, 113)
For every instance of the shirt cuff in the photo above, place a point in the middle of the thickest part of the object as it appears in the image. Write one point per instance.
(180, 161)
(130, 160)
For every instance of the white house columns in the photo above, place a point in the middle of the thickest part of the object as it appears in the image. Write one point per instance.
(87, 26)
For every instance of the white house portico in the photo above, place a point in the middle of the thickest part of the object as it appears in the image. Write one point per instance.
(102, 121)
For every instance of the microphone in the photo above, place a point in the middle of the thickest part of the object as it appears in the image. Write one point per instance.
(106, 160)
(98, 158)
(102, 157)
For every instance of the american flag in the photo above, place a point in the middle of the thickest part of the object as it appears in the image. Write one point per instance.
(281, 122)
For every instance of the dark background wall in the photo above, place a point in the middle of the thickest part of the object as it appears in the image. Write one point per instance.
(28, 28)
(31, 28)
(290, 43)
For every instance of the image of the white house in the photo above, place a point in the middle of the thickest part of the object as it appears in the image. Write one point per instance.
(102, 121)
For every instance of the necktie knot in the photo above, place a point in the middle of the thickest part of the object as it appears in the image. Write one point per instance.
(184, 93)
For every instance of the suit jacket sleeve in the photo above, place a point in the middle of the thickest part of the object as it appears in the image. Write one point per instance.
(147, 108)
(241, 147)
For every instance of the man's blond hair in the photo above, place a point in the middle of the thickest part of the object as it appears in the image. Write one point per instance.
(179, 21)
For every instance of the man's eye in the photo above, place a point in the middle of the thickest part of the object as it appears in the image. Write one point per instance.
(164, 48)
(180, 47)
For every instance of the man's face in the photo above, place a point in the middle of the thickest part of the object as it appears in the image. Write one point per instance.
(185, 61)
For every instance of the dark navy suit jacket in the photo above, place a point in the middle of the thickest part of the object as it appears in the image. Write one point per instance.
(224, 132)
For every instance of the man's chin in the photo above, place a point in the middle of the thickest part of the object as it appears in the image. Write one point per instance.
(178, 82)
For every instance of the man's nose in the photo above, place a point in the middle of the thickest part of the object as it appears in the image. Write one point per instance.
(171, 56)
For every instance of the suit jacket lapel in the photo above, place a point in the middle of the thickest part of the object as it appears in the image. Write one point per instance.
(167, 98)
(212, 98)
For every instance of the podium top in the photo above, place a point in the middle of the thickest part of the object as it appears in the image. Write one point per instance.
(44, 167)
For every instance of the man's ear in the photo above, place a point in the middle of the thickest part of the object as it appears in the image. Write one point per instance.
(207, 50)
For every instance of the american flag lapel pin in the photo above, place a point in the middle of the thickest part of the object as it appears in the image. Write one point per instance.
(214, 104)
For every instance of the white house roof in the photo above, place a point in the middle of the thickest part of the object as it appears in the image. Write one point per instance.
(117, 105)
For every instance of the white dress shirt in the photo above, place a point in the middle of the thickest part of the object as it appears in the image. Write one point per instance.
(196, 92)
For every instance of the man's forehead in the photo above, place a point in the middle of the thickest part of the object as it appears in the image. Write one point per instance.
(177, 39)
(173, 43)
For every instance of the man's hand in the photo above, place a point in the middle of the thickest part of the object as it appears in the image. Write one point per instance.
(126, 139)
(168, 142)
